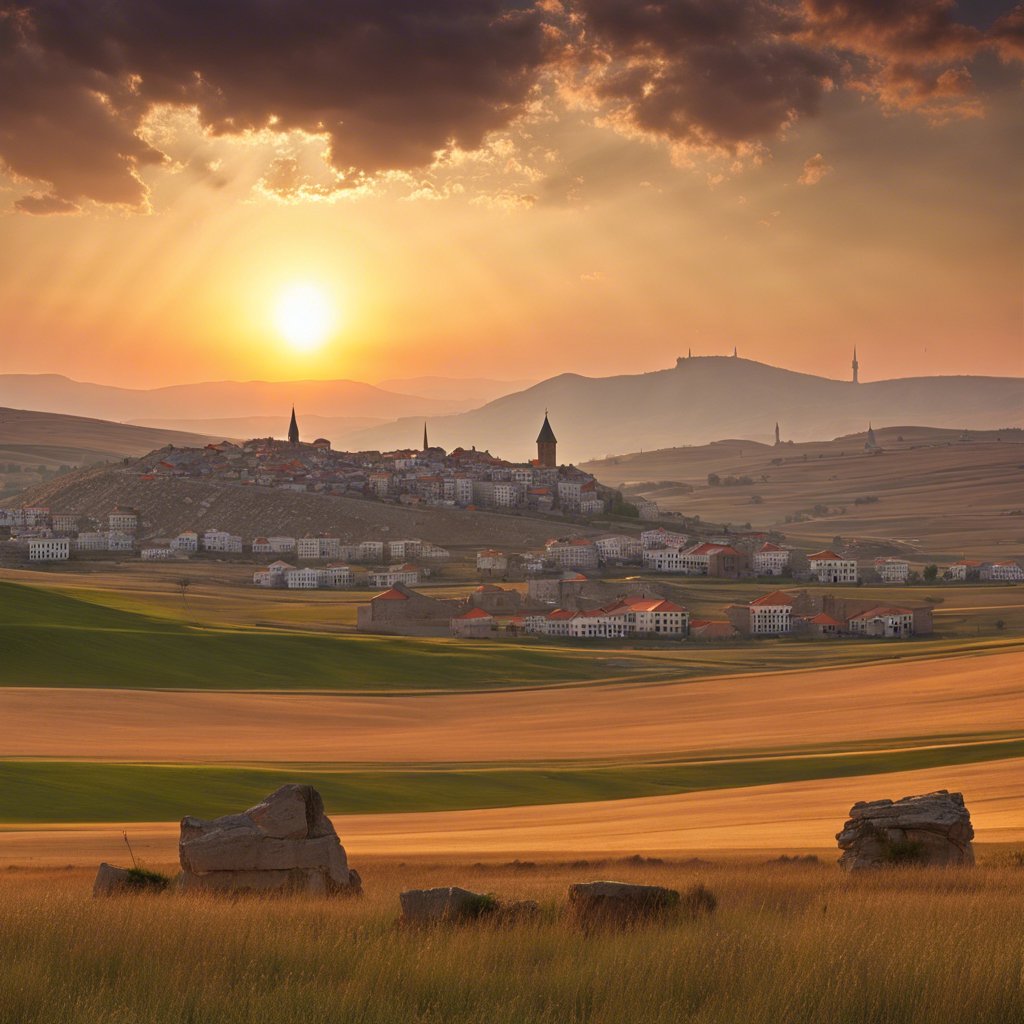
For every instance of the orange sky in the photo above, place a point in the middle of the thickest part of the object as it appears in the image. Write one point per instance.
(574, 237)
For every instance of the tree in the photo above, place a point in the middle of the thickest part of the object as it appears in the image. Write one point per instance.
(930, 573)
(714, 479)
(1000, 624)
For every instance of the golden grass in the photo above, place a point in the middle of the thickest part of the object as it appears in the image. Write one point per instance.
(788, 944)
(947, 696)
(785, 816)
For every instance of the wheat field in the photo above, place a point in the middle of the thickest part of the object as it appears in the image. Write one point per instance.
(789, 943)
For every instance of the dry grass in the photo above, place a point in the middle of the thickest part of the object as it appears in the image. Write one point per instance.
(789, 943)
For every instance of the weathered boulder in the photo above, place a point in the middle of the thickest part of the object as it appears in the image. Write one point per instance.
(446, 903)
(114, 881)
(621, 901)
(931, 829)
(284, 844)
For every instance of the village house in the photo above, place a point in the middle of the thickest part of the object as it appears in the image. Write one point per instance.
(629, 617)
(771, 615)
(645, 508)
(1005, 572)
(222, 542)
(883, 622)
(273, 545)
(892, 570)
(474, 624)
(156, 554)
(117, 540)
(63, 523)
(49, 549)
(669, 560)
(572, 553)
(274, 575)
(619, 548)
(491, 563)
(91, 540)
(967, 569)
(828, 567)
(314, 548)
(187, 541)
(561, 591)
(408, 575)
(370, 552)
(302, 579)
(770, 560)
(124, 520)
(496, 600)
(662, 538)
(710, 630)
(402, 611)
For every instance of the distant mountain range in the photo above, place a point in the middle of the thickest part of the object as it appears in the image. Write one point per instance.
(704, 399)
(473, 391)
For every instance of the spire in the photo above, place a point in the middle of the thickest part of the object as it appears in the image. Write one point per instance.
(546, 435)
(293, 429)
(778, 440)
(856, 366)
(546, 445)
(425, 445)
(735, 354)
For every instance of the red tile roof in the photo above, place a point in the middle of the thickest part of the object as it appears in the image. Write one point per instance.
(475, 613)
(776, 597)
(826, 555)
(391, 595)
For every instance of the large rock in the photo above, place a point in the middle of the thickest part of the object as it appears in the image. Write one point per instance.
(447, 903)
(284, 844)
(932, 829)
(621, 901)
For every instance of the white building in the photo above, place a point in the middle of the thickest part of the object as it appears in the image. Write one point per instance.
(619, 547)
(91, 540)
(222, 542)
(371, 551)
(49, 549)
(633, 616)
(662, 538)
(667, 559)
(187, 541)
(1005, 572)
(828, 567)
(491, 563)
(892, 570)
(312, 548)
(273, 545)
(578, 553)
(156, 554)
(400, 550)
(118, 540)
(772, 614)
(272, 575)
(64, 523)
(407, 574)
(884, 622)
(302, 579)
(434, 553)
(336, 576)
(122, 519)
(770, 560)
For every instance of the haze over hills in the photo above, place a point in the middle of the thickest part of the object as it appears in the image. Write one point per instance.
(703, 399)
(337, 429)
(215, 399)
(473, 391)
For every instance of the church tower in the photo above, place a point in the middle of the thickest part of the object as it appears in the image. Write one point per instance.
(546, 442)
(293, 429)
(856, 366)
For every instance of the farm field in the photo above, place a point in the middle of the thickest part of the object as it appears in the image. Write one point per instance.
(935, 496)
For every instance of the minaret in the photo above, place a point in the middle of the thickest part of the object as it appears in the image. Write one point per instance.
(735, 354)
(546, 442)
(293, 429)
(778, 440)
(856, 366)
(425, 445)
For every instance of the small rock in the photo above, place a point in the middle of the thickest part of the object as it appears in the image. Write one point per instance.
(444, 904)
(621, 901)
(115, 881)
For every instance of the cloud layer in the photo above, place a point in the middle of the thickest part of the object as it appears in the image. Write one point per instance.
(388, 86)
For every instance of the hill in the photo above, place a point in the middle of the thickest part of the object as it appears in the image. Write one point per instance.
(339, 430)
(34, 445)
(349, 398)
(471, 391)
(706, 398)
(929, 492)
(168, 506)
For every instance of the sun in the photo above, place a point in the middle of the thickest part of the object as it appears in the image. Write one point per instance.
(304, 316)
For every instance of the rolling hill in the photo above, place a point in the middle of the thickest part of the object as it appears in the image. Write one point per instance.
(929, 491)
(706, 398)
(35, 444)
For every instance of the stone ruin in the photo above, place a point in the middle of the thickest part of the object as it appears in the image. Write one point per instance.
(931, 830)
(626, 903)
(284, 844)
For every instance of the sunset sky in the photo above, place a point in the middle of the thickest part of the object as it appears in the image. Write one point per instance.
(208, 190)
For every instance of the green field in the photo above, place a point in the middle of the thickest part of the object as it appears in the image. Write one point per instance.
(39, 792)
(54, 638)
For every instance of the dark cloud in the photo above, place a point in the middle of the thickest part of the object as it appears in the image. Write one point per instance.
(389, 83)
(45, 204)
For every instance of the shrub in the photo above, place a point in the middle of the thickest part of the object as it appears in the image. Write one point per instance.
(144, 879)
